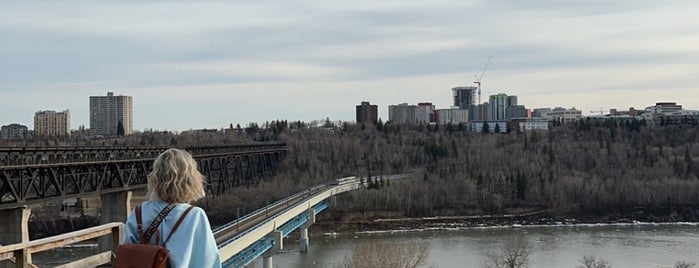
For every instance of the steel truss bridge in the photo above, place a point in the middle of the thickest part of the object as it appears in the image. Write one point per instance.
(18, 156)
(112, 170)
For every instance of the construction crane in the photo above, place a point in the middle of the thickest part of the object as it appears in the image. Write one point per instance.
(600, 111)
(478, 78)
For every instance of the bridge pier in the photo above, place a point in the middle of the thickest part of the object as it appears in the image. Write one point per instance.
(304, 241)
(115, 208)
(267, 257)
(267, 261)
(15, 229)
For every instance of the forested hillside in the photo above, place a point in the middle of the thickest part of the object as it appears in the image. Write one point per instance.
(587, 167)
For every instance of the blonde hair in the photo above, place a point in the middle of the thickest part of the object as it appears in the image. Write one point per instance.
(175, 178)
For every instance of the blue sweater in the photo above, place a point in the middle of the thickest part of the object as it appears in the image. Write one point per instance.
(192, 244)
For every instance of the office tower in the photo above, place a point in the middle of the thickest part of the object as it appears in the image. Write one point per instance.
(516, 111)
(498, 106)
(111, 115)
(52, 123)
(511, 100)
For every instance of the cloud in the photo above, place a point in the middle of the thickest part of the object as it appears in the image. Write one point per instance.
(241, 61)
(269, 71)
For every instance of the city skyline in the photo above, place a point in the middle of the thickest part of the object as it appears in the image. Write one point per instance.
(192, 65)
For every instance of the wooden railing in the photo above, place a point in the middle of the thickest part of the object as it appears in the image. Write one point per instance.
(20, 253)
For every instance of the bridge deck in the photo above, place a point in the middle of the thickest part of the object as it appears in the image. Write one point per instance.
(242, 241)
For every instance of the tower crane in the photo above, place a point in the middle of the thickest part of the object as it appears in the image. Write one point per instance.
(478, 78)
(600, 111)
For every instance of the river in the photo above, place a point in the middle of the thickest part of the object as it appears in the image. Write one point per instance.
(640, 245)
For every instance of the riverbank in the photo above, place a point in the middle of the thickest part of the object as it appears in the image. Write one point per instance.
(391, 221)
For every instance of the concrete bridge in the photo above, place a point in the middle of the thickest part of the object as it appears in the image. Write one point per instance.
(262, 232)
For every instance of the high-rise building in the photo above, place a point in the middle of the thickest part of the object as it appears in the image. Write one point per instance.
(110, 115)
(480, 112)
(453, 116)
(511, 100)
(425, 112)
(402, 113)
(367, 113)
(516, 111)
(14, 132)
(52, 123)
(498, 106)
(464, 97)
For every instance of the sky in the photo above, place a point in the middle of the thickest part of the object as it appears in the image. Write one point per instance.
(208, 64)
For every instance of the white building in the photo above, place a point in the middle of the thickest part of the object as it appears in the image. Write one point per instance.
(531, 124)
(453, 116)
(402, 113)
(565, 115)
(52, 123)
(425, 113)
(541, 112)
(664, 108)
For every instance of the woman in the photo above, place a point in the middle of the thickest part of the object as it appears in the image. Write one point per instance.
(176, 180)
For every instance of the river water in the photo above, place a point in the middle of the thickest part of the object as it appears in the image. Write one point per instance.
(639, 245)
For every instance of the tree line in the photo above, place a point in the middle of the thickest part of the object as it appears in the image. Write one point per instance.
(591, 166)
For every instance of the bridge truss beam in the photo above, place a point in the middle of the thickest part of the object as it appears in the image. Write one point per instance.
(21, 185)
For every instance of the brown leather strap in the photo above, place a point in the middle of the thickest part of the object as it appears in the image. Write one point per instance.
(139, 224)
(177, 224)
(153, 228)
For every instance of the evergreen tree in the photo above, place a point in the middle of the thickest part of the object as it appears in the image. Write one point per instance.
(486, 127)
(521, 186)
(120, 129)
(497, 128)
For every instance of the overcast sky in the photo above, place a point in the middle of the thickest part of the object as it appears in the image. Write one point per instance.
(206, 64)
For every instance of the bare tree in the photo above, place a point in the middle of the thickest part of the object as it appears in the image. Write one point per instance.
(683, 264)
(514, 254)
(592, 262)
(379, 254)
